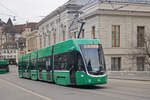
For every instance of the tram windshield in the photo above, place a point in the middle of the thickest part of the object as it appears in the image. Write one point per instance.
(94, 58)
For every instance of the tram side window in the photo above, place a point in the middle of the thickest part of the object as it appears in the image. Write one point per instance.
(48, 63)
(44, 63)
(33, 64)
(64, 61)
(25, 65)
(57, 62)
(22, 65)
(69, 61)
(60, 62)
(75, 60)
(29, 64)
(41, 64)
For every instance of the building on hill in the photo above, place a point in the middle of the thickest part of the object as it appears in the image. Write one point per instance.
(9, 52)
(2, 23)
(9, 32)
(8, 42)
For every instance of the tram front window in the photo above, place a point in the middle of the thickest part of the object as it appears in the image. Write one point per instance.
(94, 58)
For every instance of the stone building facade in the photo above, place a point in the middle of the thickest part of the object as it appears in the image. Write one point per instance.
(9, 52)
(119, 25)
(31, 36)
(55, 27)
(33, 41)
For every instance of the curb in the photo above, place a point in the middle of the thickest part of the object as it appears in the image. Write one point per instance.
(131, 79)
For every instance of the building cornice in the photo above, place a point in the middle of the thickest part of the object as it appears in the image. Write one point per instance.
(118, 12)
(59, 11)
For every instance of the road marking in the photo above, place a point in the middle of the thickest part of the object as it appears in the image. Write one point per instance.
(26, 90)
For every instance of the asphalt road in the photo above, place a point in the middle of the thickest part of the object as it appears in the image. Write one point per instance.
(14, 88)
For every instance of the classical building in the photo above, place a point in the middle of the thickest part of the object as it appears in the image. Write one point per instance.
(119, 24)
(21, 44)
(33, 41)
(55, 27)
(8, 45)
(121, 27)
(31, 37)
(9, 32)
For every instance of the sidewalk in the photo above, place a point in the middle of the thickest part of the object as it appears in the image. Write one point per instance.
(124, 75)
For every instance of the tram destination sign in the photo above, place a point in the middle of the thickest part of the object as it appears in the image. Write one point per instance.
(91, 46)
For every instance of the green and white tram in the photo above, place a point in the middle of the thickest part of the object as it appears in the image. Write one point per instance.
(72, 62)
(4, 67)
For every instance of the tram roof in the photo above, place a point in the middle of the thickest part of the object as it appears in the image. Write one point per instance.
(62, 47)
(66, 46)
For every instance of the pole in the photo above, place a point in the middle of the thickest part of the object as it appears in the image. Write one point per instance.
(82, 24)
(52, 63)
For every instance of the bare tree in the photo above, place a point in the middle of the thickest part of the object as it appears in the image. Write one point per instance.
(143, 51)
(146, 49)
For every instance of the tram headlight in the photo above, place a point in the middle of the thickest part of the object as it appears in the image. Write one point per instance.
(82, 75)
(89, 80)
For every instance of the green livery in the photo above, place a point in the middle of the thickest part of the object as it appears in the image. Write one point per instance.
(72, 62)
(4, 67)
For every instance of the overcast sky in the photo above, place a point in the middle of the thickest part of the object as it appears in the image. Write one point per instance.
(27, 10)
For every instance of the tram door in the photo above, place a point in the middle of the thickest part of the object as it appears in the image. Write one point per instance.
(40, 73)
(72, 64)
(48, 68)
(40, 68)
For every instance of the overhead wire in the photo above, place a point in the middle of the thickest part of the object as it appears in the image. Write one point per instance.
(14, 14)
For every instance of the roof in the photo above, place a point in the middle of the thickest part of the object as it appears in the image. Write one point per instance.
(79, 2)
(130, 1)
(71, 4)
(20, 28)
(2, 23)
(31, 25)
(9, 22)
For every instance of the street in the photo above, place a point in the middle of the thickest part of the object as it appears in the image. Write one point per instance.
(14, 88)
